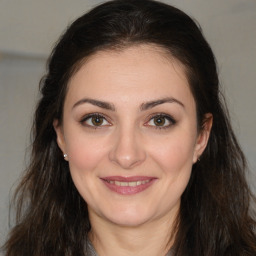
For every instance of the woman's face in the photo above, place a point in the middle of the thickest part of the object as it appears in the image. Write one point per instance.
(130, 132)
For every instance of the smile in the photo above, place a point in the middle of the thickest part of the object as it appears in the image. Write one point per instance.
(128, 185)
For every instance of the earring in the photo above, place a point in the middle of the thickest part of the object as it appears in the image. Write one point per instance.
(65, 155)
(198, 159)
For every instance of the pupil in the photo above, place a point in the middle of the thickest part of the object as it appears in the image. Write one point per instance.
(159, 121)
(97, 120)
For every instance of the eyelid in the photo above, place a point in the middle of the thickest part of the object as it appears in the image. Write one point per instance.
(95, 114)
(164, 115)
(169, 118)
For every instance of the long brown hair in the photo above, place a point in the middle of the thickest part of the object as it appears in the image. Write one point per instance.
(215, 216)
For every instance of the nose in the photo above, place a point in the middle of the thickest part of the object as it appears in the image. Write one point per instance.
(127, 149)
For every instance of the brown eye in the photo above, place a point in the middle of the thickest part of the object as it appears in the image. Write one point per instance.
(159, 121)
(97, 120)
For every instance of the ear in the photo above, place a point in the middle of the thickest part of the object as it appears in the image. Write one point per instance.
(203, 137)
(60, 136)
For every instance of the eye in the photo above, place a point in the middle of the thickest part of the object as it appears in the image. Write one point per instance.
(95, 120)
(161, 121)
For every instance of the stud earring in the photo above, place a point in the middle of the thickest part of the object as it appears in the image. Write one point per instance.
(65, 155)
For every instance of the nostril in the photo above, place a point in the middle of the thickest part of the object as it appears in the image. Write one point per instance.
(127, 158)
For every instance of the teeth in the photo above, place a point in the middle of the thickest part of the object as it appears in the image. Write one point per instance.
(128, 184)
(132, 184)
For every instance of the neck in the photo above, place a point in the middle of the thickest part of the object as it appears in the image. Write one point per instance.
(152, 238)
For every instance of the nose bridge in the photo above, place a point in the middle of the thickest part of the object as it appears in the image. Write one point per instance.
(127, 150)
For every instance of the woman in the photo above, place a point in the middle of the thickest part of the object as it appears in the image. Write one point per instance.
(133, 152)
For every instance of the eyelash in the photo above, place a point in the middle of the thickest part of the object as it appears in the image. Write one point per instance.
(95, 115)
(169, 119)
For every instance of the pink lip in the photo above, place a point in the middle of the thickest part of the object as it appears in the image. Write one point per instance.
(128, 190)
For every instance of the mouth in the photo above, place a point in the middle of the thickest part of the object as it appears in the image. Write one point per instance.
(128, 185)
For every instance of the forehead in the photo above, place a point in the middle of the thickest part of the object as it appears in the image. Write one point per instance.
(145, 70)
(150, 52)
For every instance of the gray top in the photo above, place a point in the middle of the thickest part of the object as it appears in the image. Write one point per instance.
(91, 251)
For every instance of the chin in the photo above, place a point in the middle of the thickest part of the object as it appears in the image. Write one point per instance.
(129, 217)
(129, 221)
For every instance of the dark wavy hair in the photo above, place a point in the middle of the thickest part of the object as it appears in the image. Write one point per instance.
(215, 215)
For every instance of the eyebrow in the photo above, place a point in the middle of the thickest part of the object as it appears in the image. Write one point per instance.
(143, 107)
(98, 103)
(154, 103)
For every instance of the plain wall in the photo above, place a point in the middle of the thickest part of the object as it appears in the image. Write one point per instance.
(27, 34)
(18, 90)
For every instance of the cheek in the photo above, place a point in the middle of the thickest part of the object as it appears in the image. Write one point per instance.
(174, 154)
(84, 153)
(85, 156)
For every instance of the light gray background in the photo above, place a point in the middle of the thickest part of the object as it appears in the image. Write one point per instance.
(29, 28)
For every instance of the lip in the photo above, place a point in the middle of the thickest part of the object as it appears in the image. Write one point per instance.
(128, 185)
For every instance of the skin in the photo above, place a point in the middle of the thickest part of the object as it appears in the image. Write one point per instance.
(129, 142)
